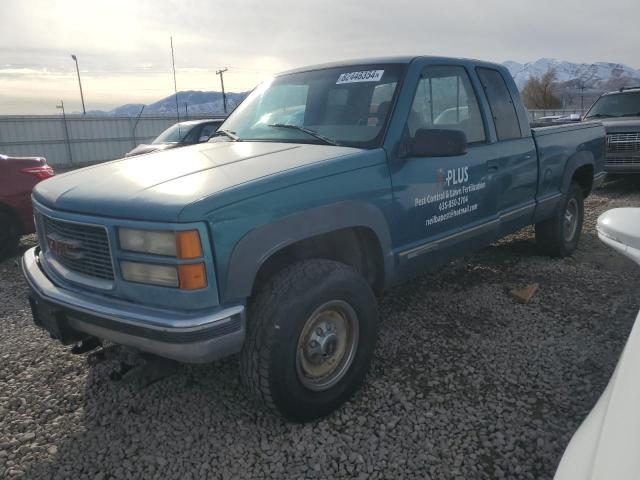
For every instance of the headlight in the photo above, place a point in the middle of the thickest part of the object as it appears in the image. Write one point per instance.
(187, 277)
(165, 275)
(183, 245)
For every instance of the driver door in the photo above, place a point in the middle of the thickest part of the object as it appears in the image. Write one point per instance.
(445, 204)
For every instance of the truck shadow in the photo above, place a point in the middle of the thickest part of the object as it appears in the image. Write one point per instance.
(160, 425)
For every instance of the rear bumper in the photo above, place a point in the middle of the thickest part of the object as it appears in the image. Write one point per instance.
(70, 316)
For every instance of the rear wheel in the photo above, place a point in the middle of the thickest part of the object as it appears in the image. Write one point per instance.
(559, 235)
(312, 331)
(9, 235)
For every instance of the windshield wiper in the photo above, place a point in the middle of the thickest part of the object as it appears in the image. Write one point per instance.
(637, 114)
(308, 131)
(228, 133)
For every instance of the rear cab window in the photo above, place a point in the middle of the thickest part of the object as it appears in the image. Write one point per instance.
(503, 109)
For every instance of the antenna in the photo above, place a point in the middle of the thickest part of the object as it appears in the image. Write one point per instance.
(175, 84)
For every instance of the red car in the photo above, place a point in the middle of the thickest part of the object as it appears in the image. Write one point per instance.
(18, 176)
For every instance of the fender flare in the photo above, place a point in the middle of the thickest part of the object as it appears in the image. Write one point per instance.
(579, 159)
(257, 246)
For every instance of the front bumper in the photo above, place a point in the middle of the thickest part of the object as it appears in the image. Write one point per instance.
(70, 316)
(622, 168)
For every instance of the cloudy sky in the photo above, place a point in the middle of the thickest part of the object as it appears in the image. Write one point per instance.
(124, 53)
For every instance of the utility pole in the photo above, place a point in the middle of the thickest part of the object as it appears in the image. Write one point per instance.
(186, 110)
(224, 95)
(66, 130)
(582, 97)
(135, 125)
(175, 84)
(75, 59)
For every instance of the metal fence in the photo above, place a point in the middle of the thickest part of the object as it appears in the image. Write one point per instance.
(78, 140)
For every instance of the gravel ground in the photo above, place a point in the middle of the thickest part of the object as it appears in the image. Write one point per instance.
(466, 383)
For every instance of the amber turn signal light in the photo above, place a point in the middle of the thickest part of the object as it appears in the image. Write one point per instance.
(188, 244)
(192, 276)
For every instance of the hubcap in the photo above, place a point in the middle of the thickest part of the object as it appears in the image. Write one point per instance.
(570, 223)
(327, 345)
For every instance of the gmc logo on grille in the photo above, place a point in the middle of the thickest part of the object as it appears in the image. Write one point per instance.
(64, 247)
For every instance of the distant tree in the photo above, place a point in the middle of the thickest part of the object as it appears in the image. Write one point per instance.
(538, 93)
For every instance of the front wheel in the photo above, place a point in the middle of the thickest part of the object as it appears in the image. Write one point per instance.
(559, 235)
(312, 330)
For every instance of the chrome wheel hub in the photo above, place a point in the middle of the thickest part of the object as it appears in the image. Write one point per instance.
(327, 345)
(570, 223)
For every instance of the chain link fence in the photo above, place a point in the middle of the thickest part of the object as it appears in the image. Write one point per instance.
(71, 141)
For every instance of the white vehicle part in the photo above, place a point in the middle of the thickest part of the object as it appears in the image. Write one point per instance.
(605, 446)
(620, 229)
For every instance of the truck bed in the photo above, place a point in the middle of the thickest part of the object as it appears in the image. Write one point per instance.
(560, 145)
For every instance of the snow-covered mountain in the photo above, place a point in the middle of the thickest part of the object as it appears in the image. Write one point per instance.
(191, 102)
(593, 75)
(195, 102)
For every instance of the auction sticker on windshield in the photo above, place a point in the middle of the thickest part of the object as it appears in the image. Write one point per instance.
(366, 76)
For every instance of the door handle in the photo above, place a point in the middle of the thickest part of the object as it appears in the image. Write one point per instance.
(493, 165)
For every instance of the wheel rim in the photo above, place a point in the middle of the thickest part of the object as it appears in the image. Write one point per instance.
(327, 345)
(570, 223)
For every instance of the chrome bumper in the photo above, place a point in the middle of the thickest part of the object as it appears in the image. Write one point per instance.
(184, 337)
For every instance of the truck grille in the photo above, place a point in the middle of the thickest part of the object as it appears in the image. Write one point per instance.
(79, 247)
(623, 142)
(623, 149)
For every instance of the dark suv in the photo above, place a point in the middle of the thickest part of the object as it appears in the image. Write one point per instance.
(620, 114)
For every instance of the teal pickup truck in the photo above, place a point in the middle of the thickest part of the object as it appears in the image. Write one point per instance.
(326, 186)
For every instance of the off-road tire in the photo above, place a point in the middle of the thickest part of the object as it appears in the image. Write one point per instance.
(9, 235)
(550, 235)
(276, 319)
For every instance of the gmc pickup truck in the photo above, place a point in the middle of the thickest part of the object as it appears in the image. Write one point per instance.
(326, 186)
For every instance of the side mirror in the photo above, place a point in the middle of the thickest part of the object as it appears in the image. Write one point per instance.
(620, 229)
(438, 142)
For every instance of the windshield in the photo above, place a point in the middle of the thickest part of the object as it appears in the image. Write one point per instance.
(616, 105)
(344, 106)
(173, 134)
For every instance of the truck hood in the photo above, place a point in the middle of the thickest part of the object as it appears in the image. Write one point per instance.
(159, 186)
(622, 125)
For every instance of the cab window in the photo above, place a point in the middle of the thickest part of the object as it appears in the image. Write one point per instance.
(502, 108)
(445, 99)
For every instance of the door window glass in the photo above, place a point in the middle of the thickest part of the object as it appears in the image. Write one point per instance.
(445, 99)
